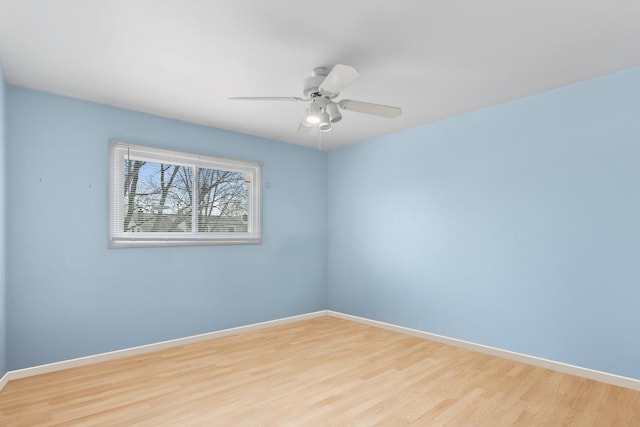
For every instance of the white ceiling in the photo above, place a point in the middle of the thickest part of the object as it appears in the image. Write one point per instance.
(433, 58)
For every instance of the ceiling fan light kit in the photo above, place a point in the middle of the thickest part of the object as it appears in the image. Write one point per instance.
(320, 89)
(334, 112)
(325, 123)
(313, 114)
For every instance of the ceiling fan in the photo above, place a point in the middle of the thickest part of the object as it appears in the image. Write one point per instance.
(320, 90)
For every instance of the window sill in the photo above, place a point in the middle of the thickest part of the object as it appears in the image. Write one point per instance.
(136, 243)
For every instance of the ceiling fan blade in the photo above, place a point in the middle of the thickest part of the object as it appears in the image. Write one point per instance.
(369, 108)
(304, 127)
(268, 98)
(340, 77)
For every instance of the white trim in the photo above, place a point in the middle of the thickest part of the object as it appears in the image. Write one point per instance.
(591, 374)
(112, 355)
(4, 380)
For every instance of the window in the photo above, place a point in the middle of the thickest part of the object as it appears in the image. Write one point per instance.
(169, 198)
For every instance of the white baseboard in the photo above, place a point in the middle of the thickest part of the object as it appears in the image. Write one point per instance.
(4, 380)
(591, 374)
(112, 355)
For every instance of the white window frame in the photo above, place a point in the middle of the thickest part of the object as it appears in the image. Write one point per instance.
(118, 238)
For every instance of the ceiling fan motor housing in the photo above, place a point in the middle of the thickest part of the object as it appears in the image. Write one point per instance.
(312, 84)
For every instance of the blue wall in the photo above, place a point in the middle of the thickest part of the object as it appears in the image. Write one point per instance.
(517, 226)
(70, 296)
(3, 306)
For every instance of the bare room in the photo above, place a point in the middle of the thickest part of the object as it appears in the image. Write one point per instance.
(319, 213)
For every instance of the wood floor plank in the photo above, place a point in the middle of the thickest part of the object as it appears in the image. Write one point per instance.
(324, 371)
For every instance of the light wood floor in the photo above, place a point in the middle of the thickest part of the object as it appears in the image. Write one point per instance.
(324, 372)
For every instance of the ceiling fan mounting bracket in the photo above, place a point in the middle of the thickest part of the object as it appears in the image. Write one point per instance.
(320, 72)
